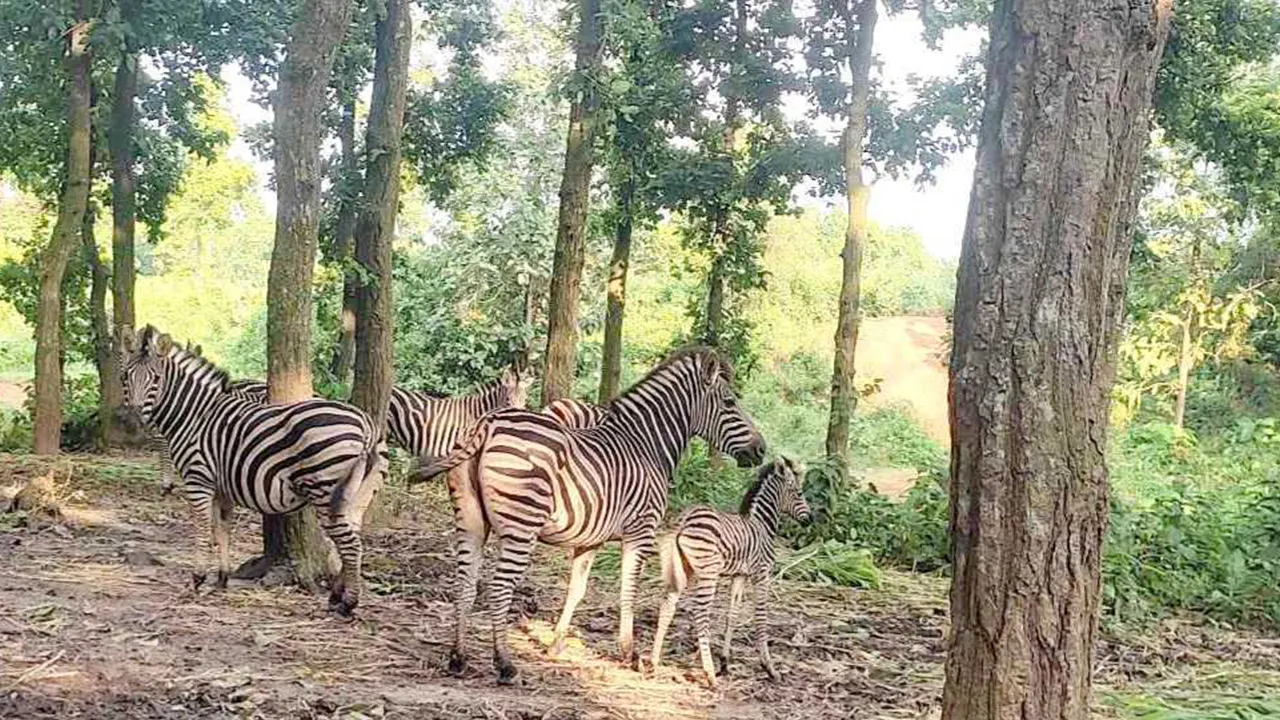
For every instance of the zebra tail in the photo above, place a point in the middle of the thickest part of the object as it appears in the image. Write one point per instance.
(373, 459)
(673, 563)
(462, 450)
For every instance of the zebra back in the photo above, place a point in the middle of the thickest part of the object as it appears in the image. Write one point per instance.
(426, 424)
(576, 414)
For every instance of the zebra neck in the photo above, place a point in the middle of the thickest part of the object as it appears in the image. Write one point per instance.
(656, 415)
(490, 399)
(185, 399)
(764, 507)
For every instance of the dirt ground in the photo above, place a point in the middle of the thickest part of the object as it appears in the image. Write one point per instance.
(97, 621)
(909, 356)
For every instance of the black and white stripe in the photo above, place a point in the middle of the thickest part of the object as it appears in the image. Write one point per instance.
(428, 425)
(708, 544)
(232, 450)
(255, 390)
(576, 414)
(532, 478)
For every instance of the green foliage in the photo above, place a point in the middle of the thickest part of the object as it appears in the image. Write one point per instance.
(832, 563)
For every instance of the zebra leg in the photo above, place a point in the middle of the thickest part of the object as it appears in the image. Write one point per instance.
(344, 531)
(735, 598)
(761, 583)
(634, 552)
(470, 532)
(202, 514)
(704, 593)
(514, 553)
(224, 510)
(665, 615)
(581, 559)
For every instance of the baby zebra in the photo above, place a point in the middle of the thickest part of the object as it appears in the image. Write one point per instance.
(708, 544)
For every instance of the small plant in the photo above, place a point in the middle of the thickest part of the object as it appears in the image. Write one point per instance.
(833, 563)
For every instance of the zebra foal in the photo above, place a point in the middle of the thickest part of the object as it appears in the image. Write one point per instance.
(708, 544)
(531, 478)
(232, 450)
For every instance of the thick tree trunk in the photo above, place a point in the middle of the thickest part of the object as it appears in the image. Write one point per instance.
(123, 223)
(72, 205)
(344, 352)
(575, 186)
(299, 98)
(374, 317)
(843, 397)
(297, 104)
(1038, 307)
(611, 366)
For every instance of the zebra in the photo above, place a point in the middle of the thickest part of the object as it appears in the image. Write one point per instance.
(274, 459)
(427, 424)
(255, 390)
(708, 544)
(532, 478)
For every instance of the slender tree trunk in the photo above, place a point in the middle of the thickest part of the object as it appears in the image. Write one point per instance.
(611, 369)
(1038, 306)
(1185, 362)
(66, 231)
(713, 323)
(298, 101)
(575, 187)
(857, 193)
(123, 223)
(344, 353)
(103, 357)
(374, 318)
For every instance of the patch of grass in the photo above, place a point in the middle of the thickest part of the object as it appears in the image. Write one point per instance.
(1211, 692)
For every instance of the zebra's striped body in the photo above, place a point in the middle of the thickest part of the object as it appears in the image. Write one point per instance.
(255, 390)
(576, 414)
(232, 450)
(532, 478)
(708, 544)
(428, 425)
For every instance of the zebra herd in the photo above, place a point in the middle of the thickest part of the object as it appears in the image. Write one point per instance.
(574, 475)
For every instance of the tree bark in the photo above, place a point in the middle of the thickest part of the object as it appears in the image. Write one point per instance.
(47, 434)
(575, 187)
(344, 234)
(857, 193)
(299, 99)
(374, 317)
(611, 368)
(103, 357)
(1186, 349)
(123, 222)
(1039, 302)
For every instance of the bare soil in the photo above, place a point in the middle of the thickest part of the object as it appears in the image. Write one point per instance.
(97, 620)
(909, 355)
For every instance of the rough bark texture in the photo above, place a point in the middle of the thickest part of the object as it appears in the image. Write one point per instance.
(66, 235)
(103, 357)
(857, 193)
(575, 186)
(297, 104)
(376, 230)
(344, 235)
(1039, 302)
(611, 368)
(298, 100)
(123, 223)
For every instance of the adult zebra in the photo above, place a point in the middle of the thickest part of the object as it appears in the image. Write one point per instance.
(532, 478)
(576, 414)
(232, 450)
(255, 390)
(427, 425)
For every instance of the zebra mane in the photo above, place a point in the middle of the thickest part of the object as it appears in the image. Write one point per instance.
(150, 338)
(709, 356)
(763, 475)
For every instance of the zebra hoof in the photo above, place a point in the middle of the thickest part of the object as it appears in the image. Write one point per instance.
(457, 662)
(722, 664)
(197, 579)
(343, 606)
(506, 672)
(221, 582)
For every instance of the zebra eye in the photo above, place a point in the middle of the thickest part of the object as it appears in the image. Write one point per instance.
(730, 401)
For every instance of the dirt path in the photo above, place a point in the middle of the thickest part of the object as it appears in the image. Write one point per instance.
(97, 621)
(909, 356)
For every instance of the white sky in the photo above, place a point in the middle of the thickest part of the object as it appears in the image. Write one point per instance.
(936, 212)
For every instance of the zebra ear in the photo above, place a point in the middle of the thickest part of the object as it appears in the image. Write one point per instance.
(128, 340)
(163, 344)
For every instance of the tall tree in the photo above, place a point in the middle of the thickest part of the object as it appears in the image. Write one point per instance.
(575, 187)
(1038, 309)
(381, 200)
(860, 26)
(297, 104)
(66, 232)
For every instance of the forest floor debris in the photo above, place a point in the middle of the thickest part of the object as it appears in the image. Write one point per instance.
(97, 621)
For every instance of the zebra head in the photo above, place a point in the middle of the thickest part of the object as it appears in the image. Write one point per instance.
(515, 386)
(792, 499)
(143, 362)
(720, 420)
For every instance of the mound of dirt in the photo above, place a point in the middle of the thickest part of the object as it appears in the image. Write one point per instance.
(909, 356)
